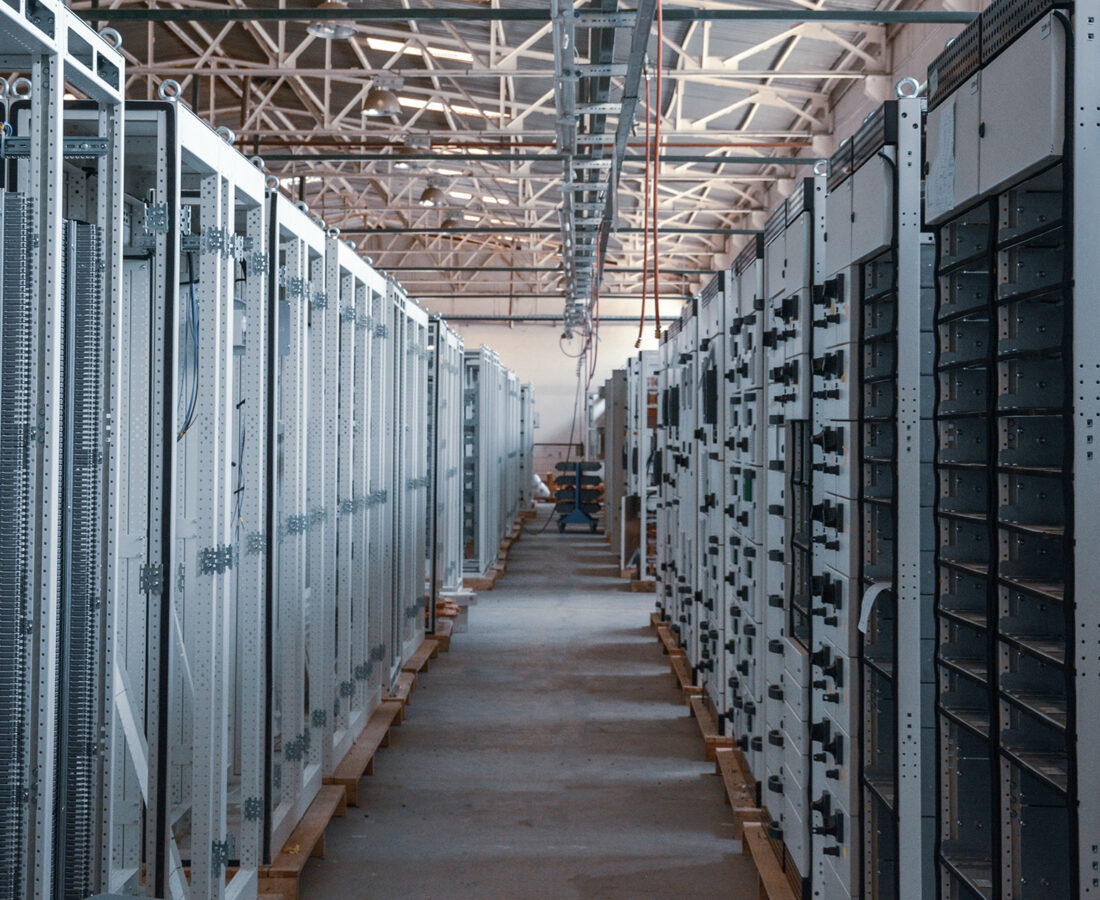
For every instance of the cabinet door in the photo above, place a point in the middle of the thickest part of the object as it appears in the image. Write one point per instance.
(872, 207)
(951, 148)
(1013, 144)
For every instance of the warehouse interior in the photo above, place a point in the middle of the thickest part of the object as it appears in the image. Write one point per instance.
(523, 448)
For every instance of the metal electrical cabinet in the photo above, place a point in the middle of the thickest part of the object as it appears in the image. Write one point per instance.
(352, 291)
(613, 454)
(528, 422)
(639, 545)
(295, 626)
(745, 507)
(410, 483)
(491, 458)
(60, 222)
(708, 440)
(445, 393)
(870, 701)
(1011, 186)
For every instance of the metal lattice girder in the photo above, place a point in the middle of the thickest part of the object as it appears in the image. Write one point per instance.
(285, 91)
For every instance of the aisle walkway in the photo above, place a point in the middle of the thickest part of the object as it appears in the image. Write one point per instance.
(546, 756)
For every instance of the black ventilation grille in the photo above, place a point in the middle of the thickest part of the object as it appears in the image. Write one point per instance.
(776, 224)
(840, 165)
(880, 129)
(1006, 20)
(753, 251)
(714, 288)
(801, 199)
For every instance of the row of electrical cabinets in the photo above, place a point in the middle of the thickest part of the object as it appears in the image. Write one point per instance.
(875, 436)
(218, 447)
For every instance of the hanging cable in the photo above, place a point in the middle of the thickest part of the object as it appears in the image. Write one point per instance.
(657, 178)
(645, 221)
(193, 328)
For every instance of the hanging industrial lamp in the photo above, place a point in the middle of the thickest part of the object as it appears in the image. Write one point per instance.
(381, 102)
(432, 196)
(331, 29)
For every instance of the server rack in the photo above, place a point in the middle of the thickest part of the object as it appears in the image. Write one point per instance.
(445, 389)
(1012, 111)
(60, 205)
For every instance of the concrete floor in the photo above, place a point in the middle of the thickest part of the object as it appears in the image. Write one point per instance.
(547, 755)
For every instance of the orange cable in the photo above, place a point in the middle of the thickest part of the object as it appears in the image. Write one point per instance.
(657, 179)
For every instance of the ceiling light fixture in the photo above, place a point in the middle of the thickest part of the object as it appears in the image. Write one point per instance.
(381, 102)
(432, 196)
(330, 29)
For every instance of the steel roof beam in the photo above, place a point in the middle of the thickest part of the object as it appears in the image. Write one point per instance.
(460, 14)
(509, 229)
(557, 269)
(578, 161)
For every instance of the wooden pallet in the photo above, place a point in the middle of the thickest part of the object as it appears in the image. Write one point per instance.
(305, 841)
(444, 628)
(359, 760)
(402, 692)
(680, 671)
(740, 794)
(418, 662)
(655, 619)
(769, 871)
(708, 728)
(643, 586)
(484, 582)
(668, 639)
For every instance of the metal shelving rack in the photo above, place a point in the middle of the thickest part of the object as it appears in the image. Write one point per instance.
(1010, 178)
